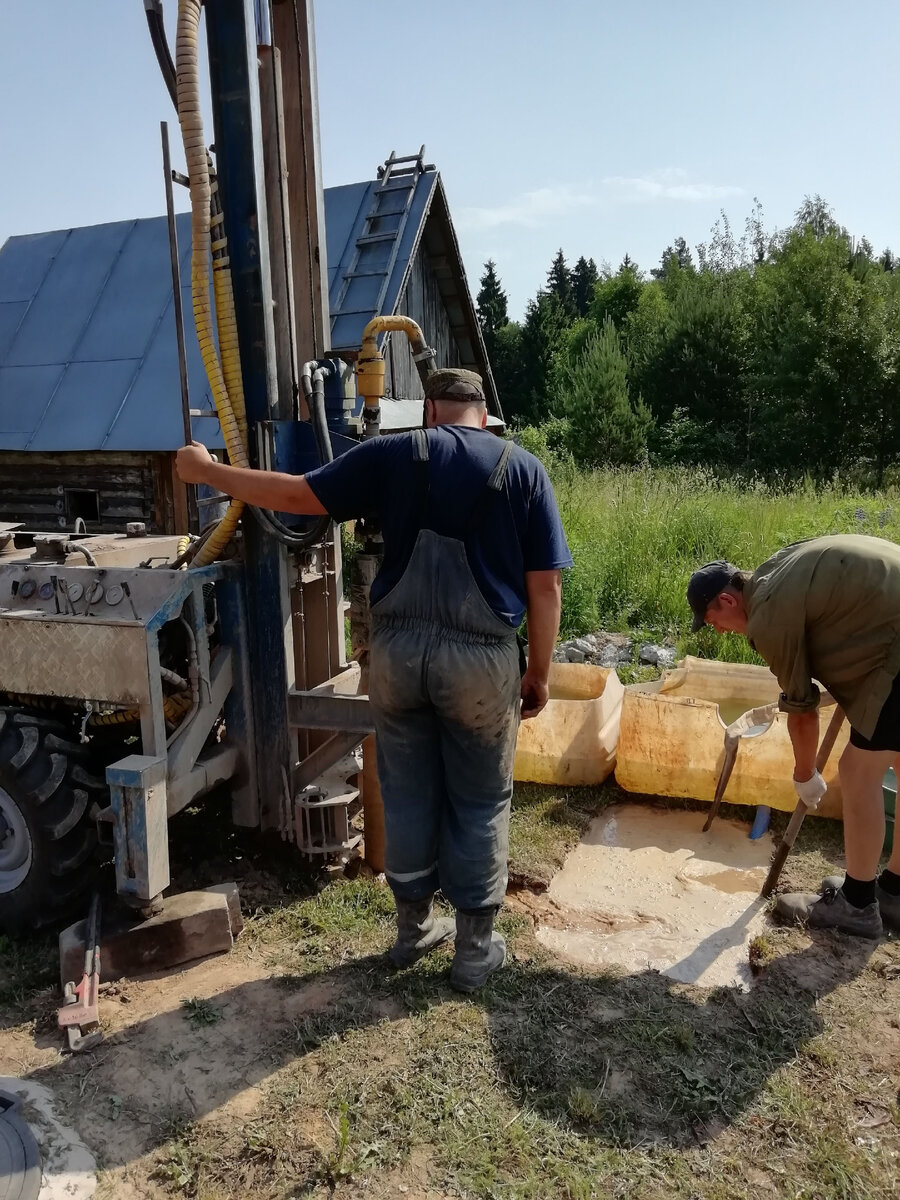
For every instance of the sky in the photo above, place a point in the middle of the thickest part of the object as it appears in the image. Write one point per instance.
(599, 128)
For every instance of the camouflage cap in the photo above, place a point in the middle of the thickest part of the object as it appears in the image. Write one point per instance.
(454, 384)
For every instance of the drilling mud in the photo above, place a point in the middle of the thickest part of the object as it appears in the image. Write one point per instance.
(647, 889)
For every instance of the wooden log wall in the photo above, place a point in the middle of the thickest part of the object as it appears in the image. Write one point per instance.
(129, 487)
(422, 300)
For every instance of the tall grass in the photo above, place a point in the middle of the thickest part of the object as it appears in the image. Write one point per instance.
(637, 535)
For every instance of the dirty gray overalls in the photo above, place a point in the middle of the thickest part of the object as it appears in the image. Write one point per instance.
(445, 688)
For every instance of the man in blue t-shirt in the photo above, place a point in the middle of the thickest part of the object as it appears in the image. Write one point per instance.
(472, 542)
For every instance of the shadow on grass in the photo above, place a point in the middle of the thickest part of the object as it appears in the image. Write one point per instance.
(623, 1061)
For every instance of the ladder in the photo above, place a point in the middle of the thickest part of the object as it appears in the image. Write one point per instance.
(377, 247)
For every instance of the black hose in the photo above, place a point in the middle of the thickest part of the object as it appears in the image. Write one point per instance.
(153, 10)
(312, 379)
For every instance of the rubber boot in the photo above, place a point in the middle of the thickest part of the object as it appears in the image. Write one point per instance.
(480, 951)
(418, 931)
(830, 911)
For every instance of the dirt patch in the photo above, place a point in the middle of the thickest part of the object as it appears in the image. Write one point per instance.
(646, 888)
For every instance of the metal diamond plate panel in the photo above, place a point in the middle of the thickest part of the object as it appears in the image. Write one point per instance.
(81, 660)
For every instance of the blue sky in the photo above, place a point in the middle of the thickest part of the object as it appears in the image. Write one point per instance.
(598, 127)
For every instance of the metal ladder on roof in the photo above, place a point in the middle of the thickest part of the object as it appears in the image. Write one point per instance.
(384, 224)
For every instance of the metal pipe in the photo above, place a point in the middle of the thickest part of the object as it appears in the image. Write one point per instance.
(176, 285)
(79, 548)
(370, 365)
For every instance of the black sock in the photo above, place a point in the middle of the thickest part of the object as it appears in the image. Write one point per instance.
(889, 882)
(859, 892)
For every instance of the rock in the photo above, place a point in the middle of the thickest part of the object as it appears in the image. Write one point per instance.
(626, 651)
(585, 646)
(610, 656)
(574, 655)
(559, 655)
(656, 656)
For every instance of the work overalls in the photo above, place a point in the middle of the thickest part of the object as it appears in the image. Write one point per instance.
(445, 690)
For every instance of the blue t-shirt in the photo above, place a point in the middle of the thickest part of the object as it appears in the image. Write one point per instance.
(520, 531)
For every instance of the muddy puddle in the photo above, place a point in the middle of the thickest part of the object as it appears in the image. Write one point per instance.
(647, 889)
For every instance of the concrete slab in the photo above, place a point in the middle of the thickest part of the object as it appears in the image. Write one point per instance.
(68, 1169)
(647, 889)
(190, 926)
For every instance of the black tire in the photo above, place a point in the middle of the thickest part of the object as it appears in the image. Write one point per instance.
(48, 852)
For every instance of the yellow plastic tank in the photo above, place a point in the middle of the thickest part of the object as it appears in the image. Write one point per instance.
(573, 741)
(671, 738)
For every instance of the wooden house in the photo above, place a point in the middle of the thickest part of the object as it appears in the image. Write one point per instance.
(90, 402)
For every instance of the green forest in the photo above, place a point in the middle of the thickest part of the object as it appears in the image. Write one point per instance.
(771, 354)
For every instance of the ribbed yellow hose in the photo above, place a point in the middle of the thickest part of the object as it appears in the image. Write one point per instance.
(183, 543)
(174, 707)
(226, 320)
(191, 121)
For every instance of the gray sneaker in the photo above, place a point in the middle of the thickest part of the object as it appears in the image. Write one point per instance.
(830, 911)
(890, 907)
(888, 904)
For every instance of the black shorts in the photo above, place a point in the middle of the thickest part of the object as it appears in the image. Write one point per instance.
(886, 735)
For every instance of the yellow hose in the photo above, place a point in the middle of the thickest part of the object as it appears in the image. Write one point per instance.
(191, 121)
(174, 707)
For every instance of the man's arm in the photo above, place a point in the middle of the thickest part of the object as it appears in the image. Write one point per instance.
(803, 729)
(544, 591)
(265, 489)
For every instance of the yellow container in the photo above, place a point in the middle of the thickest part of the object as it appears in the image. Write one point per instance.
(574, 739)
(671, 739)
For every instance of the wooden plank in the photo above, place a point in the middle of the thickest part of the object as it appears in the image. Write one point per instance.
(294, 38)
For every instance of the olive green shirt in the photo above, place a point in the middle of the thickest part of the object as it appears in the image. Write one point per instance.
(829, 609)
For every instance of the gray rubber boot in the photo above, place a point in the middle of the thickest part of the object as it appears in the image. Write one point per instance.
(479, 952)
(418, 931)
(890, 907)
(830, 911)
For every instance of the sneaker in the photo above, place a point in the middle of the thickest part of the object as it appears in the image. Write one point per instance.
(888, 904)
(890, 907)
(830, 911)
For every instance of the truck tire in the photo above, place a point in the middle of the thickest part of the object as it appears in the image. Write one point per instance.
(48, 835)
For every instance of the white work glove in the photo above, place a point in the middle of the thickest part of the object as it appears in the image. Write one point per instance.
(811, 790)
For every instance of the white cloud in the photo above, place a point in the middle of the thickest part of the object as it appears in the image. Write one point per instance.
(532, 209)
(671, 184)
(529, 209)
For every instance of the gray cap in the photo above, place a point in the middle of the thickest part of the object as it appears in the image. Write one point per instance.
(454, 384)
(705, 584)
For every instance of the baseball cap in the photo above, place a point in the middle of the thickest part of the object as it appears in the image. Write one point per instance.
(454, 384)
(705, 584)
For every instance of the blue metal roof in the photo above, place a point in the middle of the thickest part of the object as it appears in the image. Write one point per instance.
(88, 356)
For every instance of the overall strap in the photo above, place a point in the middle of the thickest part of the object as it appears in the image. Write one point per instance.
(494, 486)
(420, 462)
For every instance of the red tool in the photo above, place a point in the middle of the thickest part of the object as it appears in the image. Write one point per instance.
(80, 1014)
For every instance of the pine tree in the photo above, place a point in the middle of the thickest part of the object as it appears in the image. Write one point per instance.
(559, 284)
(584, 276)
(606, 425)
(491, 306)
(542, 332)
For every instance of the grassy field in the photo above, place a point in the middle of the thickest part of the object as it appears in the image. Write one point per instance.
(636, 536)
(300, 1066)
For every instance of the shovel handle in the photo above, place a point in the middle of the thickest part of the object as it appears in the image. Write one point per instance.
(790, 834)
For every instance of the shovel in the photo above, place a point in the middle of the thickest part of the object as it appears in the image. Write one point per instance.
(749, 724)
(790, 834)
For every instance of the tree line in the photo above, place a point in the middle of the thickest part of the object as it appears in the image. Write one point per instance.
(773, 353)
